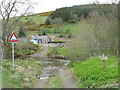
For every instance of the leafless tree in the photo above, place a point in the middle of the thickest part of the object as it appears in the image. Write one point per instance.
(11, 11)
(105, 27)
(0, 41)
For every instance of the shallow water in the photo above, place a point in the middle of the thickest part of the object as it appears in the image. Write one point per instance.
(51, 66)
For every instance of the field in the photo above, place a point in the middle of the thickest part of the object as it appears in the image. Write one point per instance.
(90, 74)
(63, 28)
(35, 18)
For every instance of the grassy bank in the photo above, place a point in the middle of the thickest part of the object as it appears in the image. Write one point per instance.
(23, 49)
(62, 29)
(90, 74)
(58, 51)
(23, 76)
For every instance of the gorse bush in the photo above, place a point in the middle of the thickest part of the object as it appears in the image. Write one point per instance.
(56, 42)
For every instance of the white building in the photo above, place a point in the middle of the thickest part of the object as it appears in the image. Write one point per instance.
(40, 39)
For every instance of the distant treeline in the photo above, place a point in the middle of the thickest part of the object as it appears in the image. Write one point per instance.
(79, 11)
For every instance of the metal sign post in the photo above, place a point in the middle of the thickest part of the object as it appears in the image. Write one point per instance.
(103, 58)
(13, 39)
(13, 55)
(103, 64)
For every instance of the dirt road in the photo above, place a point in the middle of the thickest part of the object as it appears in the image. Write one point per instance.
(65, 75)
(67, 78)
(41, 52)
(42, 83)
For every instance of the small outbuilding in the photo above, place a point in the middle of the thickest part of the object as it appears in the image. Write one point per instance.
(41, 39)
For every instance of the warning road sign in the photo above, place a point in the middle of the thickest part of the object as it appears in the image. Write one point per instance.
(13, 38)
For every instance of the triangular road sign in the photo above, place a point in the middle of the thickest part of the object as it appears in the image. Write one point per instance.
(13, 38)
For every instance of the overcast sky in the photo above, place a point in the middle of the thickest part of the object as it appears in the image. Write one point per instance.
(48, 5)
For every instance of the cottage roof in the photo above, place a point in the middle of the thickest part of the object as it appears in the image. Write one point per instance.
(40, 37)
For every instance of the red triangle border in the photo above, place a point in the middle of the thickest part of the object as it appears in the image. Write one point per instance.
(11, 38)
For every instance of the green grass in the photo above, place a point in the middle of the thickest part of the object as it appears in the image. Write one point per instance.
(57, 51)
(32, 33)
(64, 28)
(23, 70)
(0, 79)
(89, 73)
(76, 28)
(62, 51)
(55, 82)
(35, 18)
(73, 28)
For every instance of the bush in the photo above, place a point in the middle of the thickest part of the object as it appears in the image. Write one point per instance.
(61, 36)
(70, 35)
(71, 21)
(67, 31)
(56, 42)
(22, 49)
(44, 33)
(21, 33)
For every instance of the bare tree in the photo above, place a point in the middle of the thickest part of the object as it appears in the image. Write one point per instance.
(104, 26)
(0, 40)
(11, 11)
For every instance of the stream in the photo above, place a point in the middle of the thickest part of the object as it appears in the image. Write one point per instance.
(51, 67)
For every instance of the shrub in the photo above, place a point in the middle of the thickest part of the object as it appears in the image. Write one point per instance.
(56, 42)
(61, 36)
(22, 49)
(70, 35)
(71, 21)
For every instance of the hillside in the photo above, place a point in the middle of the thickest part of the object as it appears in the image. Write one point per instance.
(80, 11)
(65, 47)
(39, 18)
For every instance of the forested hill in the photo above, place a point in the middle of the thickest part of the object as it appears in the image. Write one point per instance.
(79, 11)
